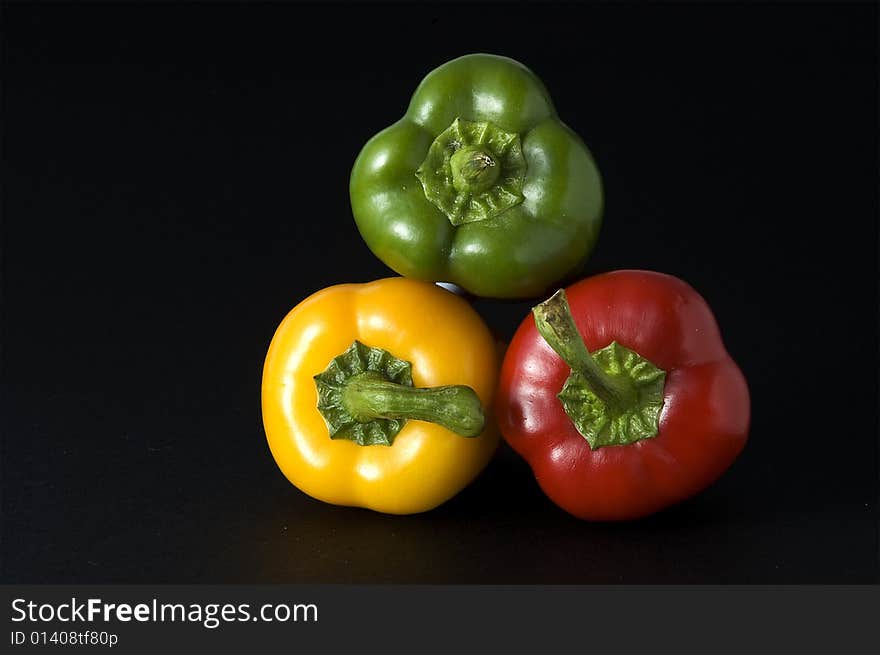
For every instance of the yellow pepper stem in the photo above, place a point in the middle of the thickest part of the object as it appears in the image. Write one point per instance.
(456, 408)
(366, 395)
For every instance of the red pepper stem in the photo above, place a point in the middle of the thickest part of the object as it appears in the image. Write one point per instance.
(556, 324)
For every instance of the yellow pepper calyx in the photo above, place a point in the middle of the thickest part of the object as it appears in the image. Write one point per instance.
(366, 395)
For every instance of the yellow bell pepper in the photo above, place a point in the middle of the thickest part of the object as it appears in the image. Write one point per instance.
(339, 364)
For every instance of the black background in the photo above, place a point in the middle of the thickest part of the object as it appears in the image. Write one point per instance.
(176, 180)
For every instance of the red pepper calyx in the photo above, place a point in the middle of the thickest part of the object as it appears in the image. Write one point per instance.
(613, 396)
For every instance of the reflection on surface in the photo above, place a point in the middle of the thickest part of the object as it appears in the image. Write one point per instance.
(478, 538)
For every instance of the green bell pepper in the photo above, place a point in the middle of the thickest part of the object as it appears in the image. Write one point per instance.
(479, 184)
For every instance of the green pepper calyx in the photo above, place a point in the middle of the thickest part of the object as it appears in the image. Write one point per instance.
(613, 396)
(473, 171)
(367, 395)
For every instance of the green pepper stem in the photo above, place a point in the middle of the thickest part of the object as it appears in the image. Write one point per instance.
(473, 169)
(457, 408)
(556, 324)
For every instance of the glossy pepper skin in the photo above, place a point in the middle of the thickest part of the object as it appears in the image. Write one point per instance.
(446, 342)
(528, 191)
(703, 423)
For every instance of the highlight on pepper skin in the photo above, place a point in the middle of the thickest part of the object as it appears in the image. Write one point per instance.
(379, 395)
(620, 394)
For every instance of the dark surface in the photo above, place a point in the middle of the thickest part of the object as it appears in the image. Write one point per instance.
(176, 181)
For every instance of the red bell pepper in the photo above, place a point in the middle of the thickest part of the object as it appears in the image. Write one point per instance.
(622, 398)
